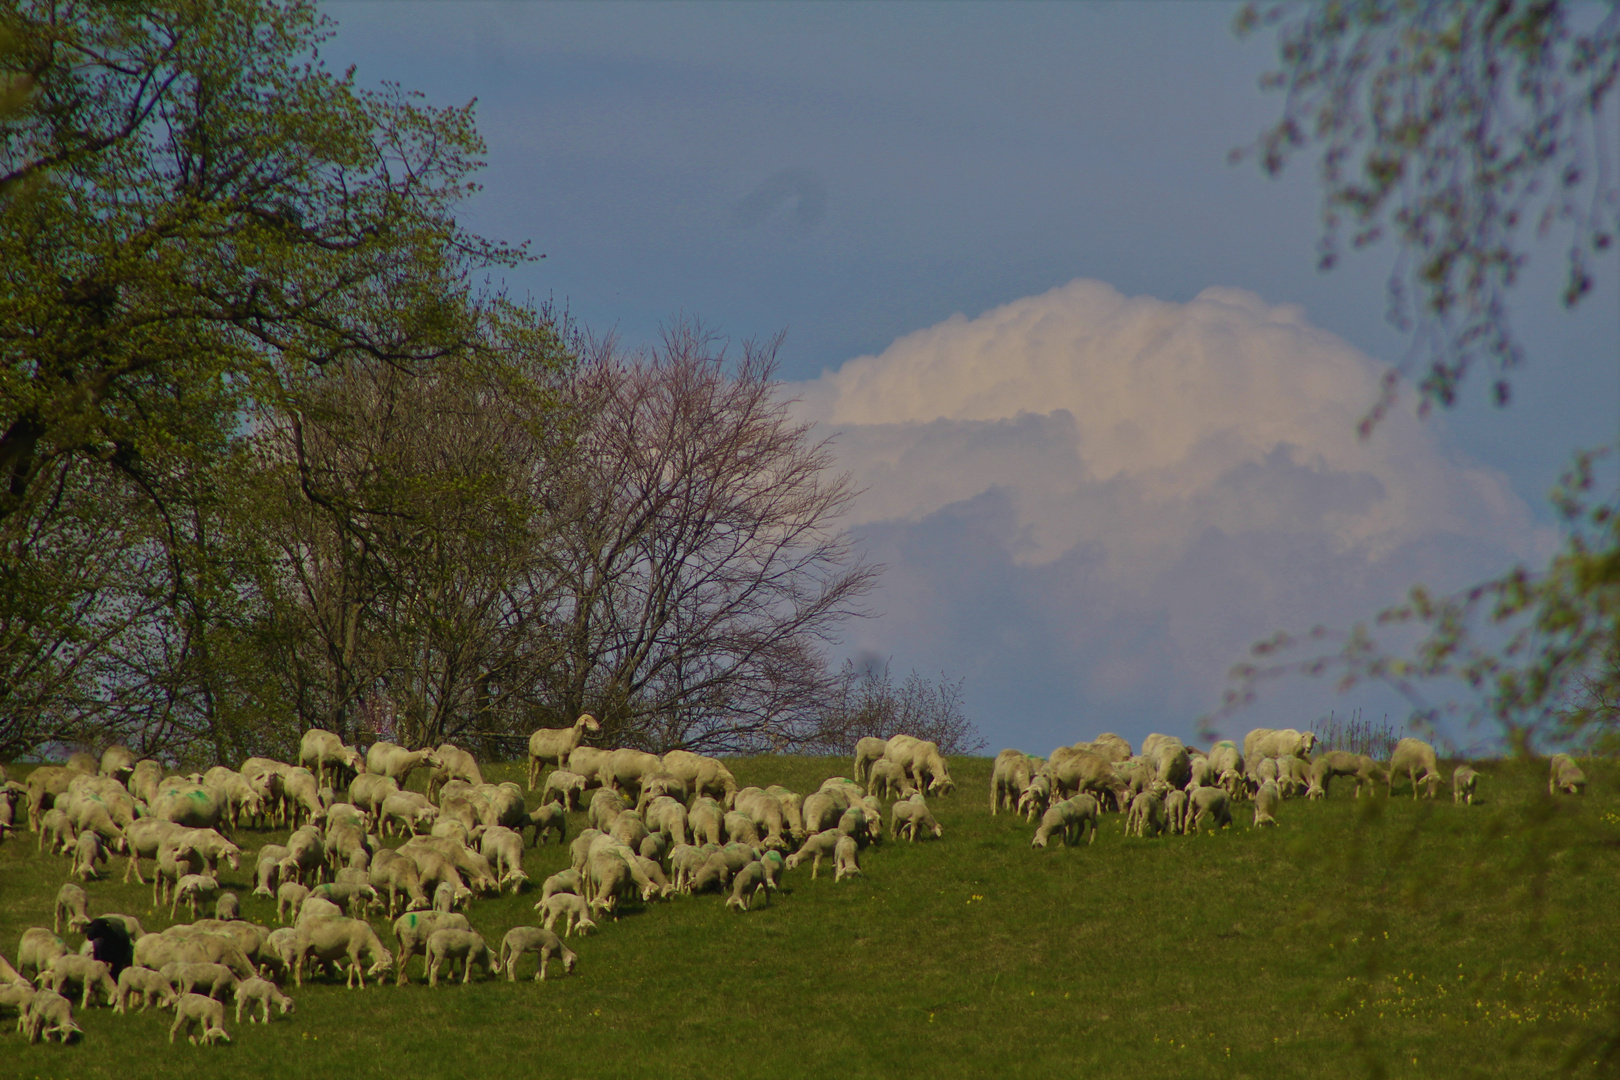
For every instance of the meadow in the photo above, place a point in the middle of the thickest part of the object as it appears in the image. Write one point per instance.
(1360, 937)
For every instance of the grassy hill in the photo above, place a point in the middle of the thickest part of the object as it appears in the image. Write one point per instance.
(1423, 938)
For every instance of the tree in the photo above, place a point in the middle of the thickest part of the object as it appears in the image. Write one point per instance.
(692, 570)
(1457, 127)
(867, 704)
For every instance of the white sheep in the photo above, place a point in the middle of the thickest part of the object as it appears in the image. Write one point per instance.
(145, 985)
(867, 751)
(48, 1013)
(571, 908)
(750, 881)
(73, 902)
(412, 930)
(290, 898)
(1037, 797)
(911, 817)
(538, 940)
(1210, 806)
(467, 946)
(192, 888)
(1415, 759)
(264, 993)
(1146, 816)
(554, 746)
(329, 939)
(1463, 782)
(565, 786)
(89, 973)
(846, 859)
(1069, 820)
(822, 845)
(1566, 776)
(227, 907)
(1175, 809)
(216, 980)
(88, 854)
(37, 949)
(1265, 804)
(203, 1012)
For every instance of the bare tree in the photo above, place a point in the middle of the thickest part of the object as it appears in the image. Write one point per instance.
(867, 704)
(693, 572)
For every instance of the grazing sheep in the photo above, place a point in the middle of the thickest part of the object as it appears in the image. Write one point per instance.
(1072, 771)
(1175, 809)
(1416, 760)
(88, 853)
(867, 752)
(887, 780)
(1463, 782)
(823, 844)
(263, 993)
(846, 859)
(329, 939)
(1146, 816)
(203, 1012)
(90, 974)
(73, 902)
(911, 817)
(56, 832)
(227, 907)
(1265, 804)
(407, 811)
(1336, 763)
(1070, 820)
(467, 946)
(144, 985)
(412, 930)
(1293, 776)
(325, 753)
(1210, 806)
(1566, 776)
(538, 940)
(706, 819)
(740, 828)
(563, 881)
(48, 1013)
(1036, 797)
(1009, 779)
(355, 897)
(750, 881)
(566, 787)
(703, 775)
(454, 763)
(569, 907)
(554, 746)
(216, 980)
(192, 888)
(289, 899)
(37, 949)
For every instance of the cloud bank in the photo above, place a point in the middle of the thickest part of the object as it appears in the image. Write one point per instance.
(1092, 504)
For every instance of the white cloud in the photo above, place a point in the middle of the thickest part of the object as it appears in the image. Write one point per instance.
(1101, 501)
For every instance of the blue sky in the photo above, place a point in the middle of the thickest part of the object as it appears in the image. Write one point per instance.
(959, 192)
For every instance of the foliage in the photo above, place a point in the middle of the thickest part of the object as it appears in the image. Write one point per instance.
(1458, 128)
(1247, 953)
(868, 704)
(1358, 736)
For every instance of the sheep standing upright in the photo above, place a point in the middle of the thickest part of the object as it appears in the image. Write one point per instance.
(552, 746)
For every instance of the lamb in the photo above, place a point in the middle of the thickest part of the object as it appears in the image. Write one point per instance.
(571, 908)
(1069, 820)
(887, 780)
(289, 900)
(1463, 782)
(328, 939)
(268, 868)
(751, 880)
(668, 816)
(412, 930)
(73, 902)
(189, 976)
(467, 946)
(1293, 776)
(563, 881)
(447, 897)
(608, 880)
(1412, 756)
(56, 832)
(190, 889)
(409, 812)
(89, 973)
(263, 993)
(48, 1013)
(203, 1012)
(504, 849)
(1208, 806)
(553, 746)
(1265, 804)
(1337, 763)
(1175, 810)
(565, 786)
(227, 907)
(1565, 776)
(867, 753)
(823, 844)
(911, 817)
(542, 942)
(703, 775)
(1036, 798)
(1146, 816)
(145, 985)
(846, 859)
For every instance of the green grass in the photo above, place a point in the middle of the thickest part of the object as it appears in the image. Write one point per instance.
(1411, 936)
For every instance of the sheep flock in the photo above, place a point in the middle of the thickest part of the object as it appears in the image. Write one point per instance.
(366, 852)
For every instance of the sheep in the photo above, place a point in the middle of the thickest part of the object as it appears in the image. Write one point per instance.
(1146, 816)
(1565, 776)
(1036, 797)
(263, 993)
(186, 802)
(73, 902)
(44, 785)
(328, 939)
(751, 880)
(56, 832)
(289, 899)
(538, 940)
(16, 995)
(190, 889)
(37, 949)
(629, 829)
(412, 930)
(408, 812)
(306, 855)
(922, 761)
(1009, 779)
(553, 746)
(566, 786)
(765, 810)
(1175, 810)
(823, 844)
(1412, 756)
(1169, 759)
(846, 859)
(1072, 771)
(604, 807)
(1069, 820)
(668, 816)
(447, 897)
(571, 908)
(454, 763)
(467, 946)
(703, 775)
(227, 907)
(655, 847)
(145, 985)
(1463, 782)
(1265, 804)
(740, 828)
(48, 1013)
(867, 752)
(1286, 742)
(89, 973)
(394, 762)
(189, 975)
(357, 898)
(1293, 776)
(324, 752)
(1208, 805)
(911, 817)
(203, 1012)
(1337, 763)
(118, 762)
(268, 868)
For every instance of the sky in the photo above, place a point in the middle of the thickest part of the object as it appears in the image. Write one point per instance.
(1099, 399)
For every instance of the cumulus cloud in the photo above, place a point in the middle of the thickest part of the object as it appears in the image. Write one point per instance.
(1092, 504)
